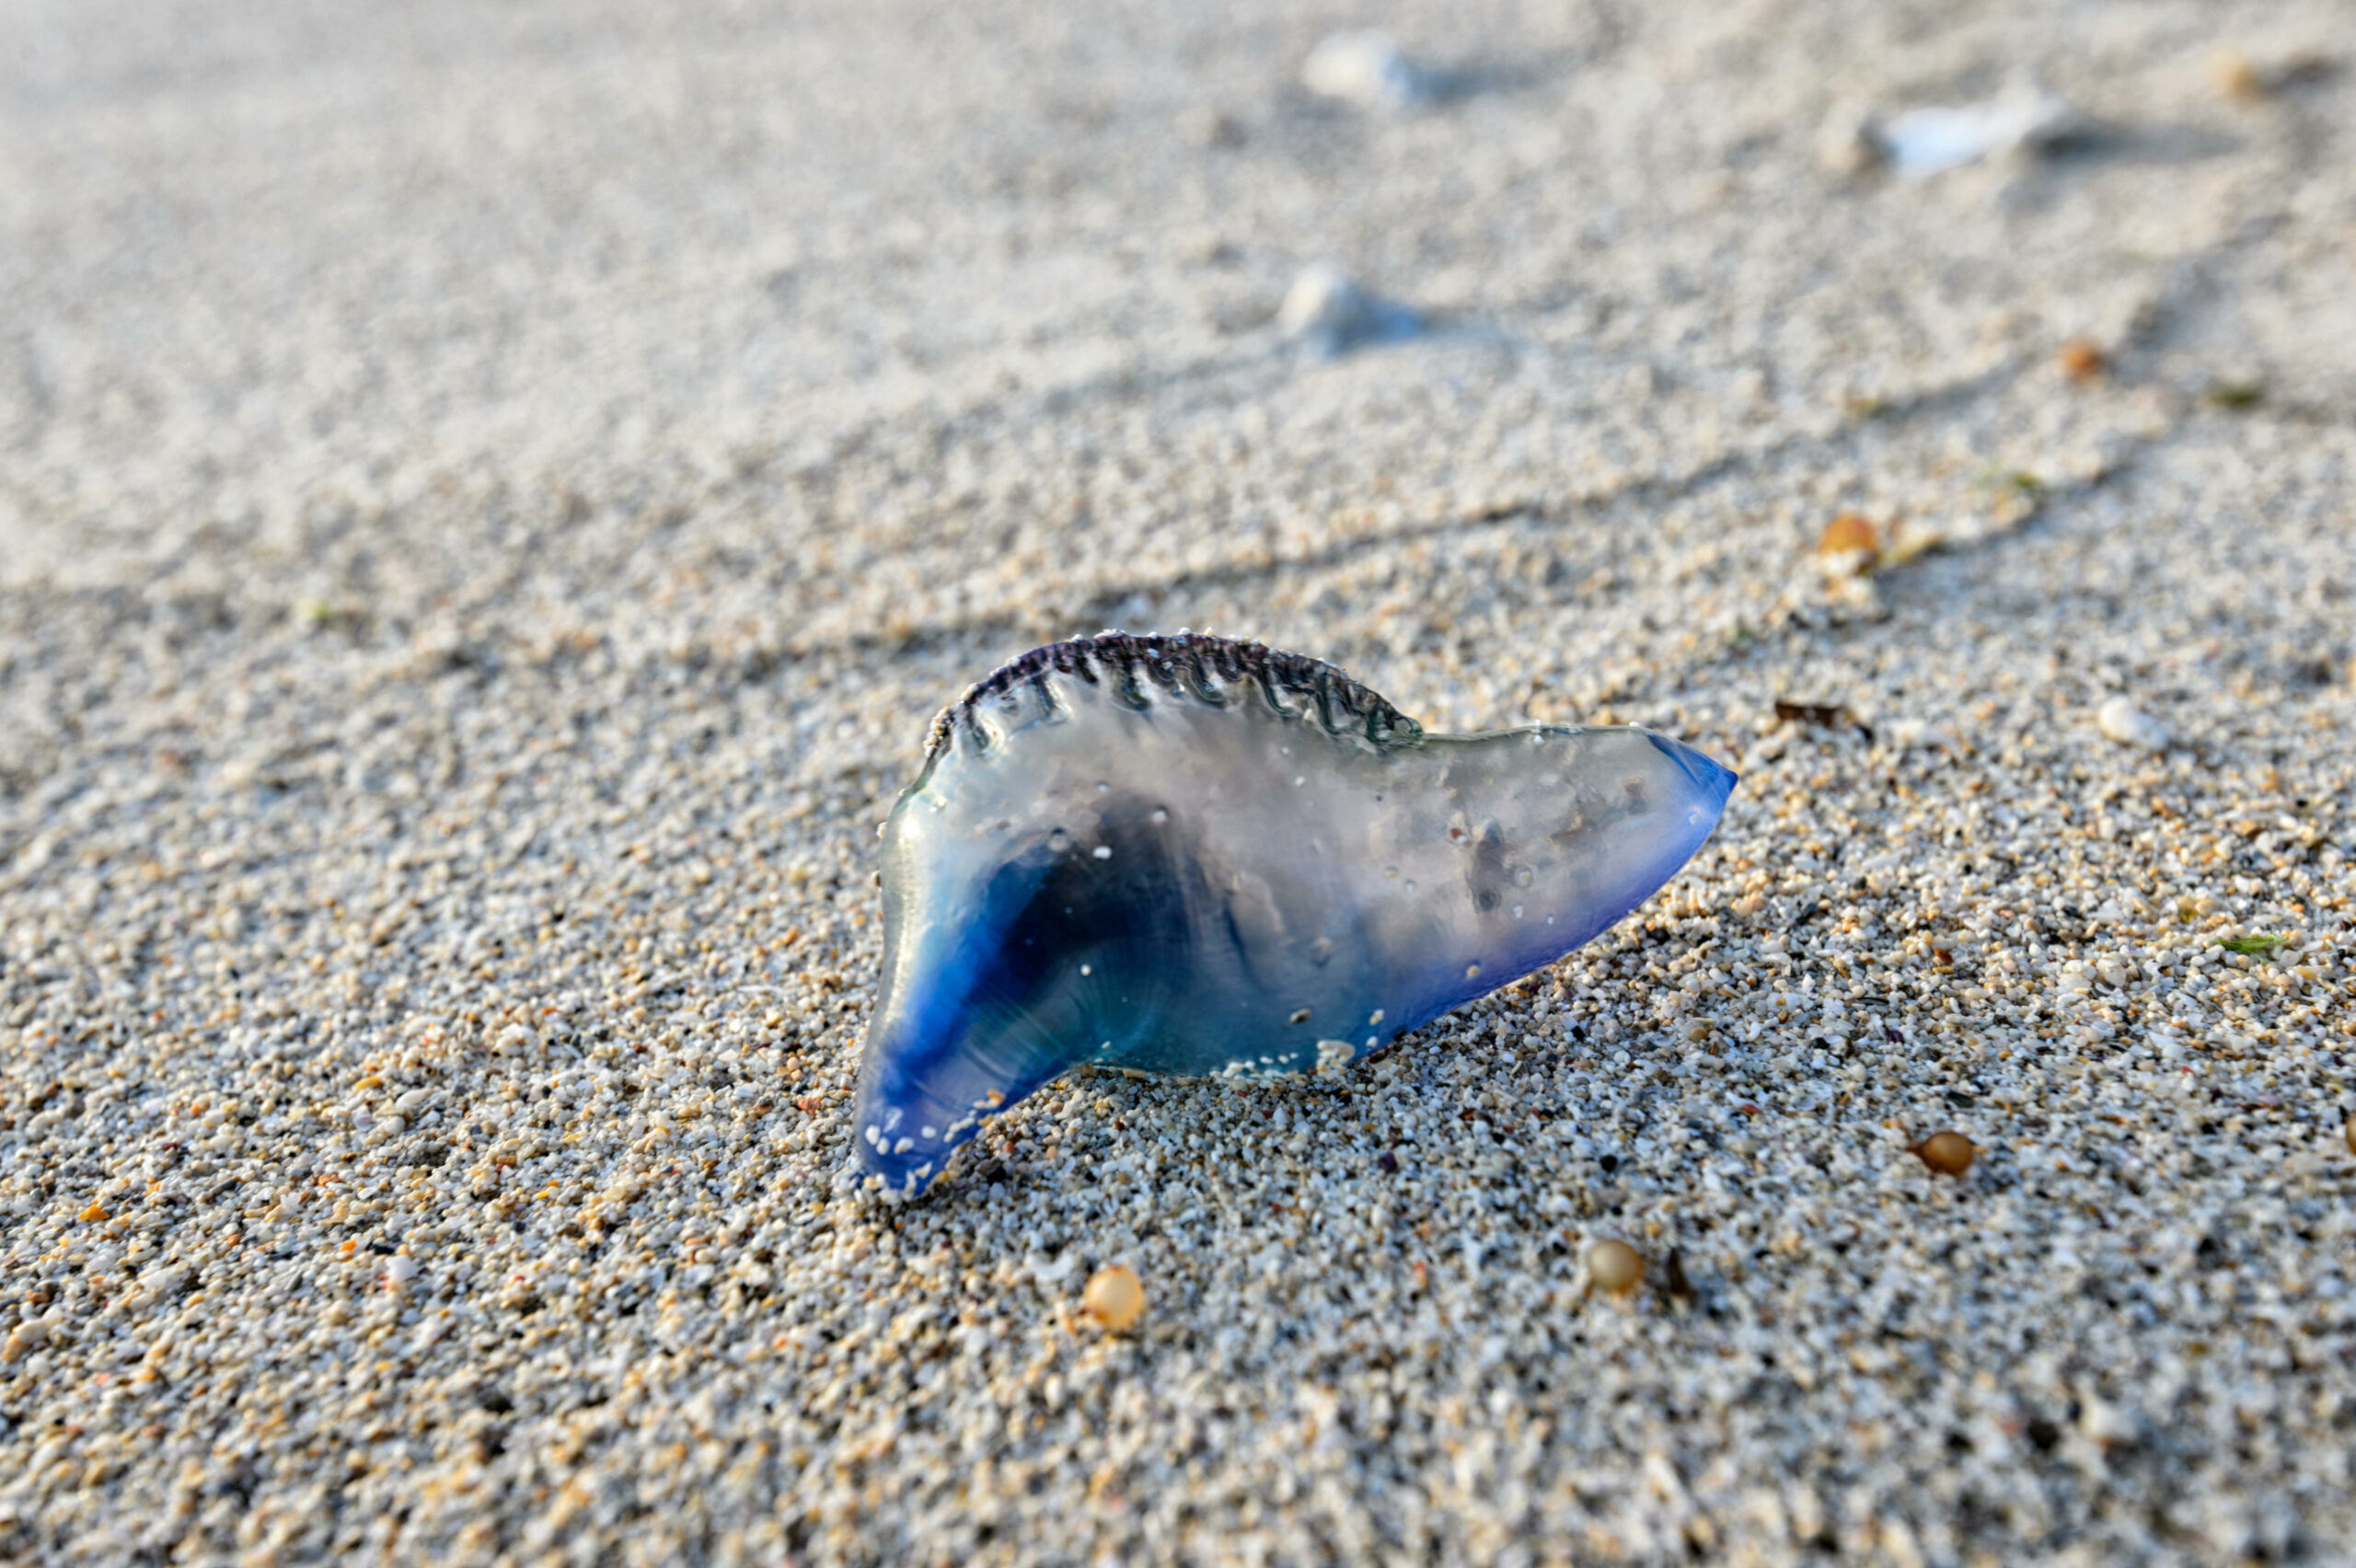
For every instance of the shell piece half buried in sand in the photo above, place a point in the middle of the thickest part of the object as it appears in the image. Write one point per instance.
(1193, 855)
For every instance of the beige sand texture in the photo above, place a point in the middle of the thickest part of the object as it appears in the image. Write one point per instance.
(491, 495)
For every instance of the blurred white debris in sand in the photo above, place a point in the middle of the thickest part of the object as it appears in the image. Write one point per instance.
(2130, 726)
(1327, 310)
(2023, 118)
(1367, 69)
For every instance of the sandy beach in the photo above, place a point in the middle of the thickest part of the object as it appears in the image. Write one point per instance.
(491, 499)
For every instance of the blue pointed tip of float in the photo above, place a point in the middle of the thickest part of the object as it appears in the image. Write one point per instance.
(1712, 779)
(900, 1130)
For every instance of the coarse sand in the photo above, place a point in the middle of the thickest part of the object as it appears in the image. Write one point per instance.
(490, 498)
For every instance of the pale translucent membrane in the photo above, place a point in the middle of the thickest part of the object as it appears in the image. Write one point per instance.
(1185, 855)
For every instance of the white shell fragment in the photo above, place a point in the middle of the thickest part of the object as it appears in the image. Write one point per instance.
(1326, 311)
(2023, 118)
(1367, 69)
(2130, 726)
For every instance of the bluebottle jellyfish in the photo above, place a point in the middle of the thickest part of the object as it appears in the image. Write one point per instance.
(1194, 855)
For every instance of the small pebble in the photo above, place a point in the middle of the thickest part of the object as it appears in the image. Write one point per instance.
(1847, 144)
(1948, 1153)
(1327, 310)
(2130, 726)
(1615, 1267)
(2107, 1424)
(1114, 1298)
(2238, 77)
(1850, 539)
(2082, 360)
(1364, 68)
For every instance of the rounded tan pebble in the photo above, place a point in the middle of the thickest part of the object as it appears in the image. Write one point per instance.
(1615, 1267)
(2238, 78)
(1113, 1296)
(1850, 533)
(1948, 1153)
(24, 1339)
(2082, 359)
(2348, 1132)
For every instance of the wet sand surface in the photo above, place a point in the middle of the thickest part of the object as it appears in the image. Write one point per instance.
(492, 498)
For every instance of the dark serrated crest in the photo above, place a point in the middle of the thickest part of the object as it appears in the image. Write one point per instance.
(1187, 665)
